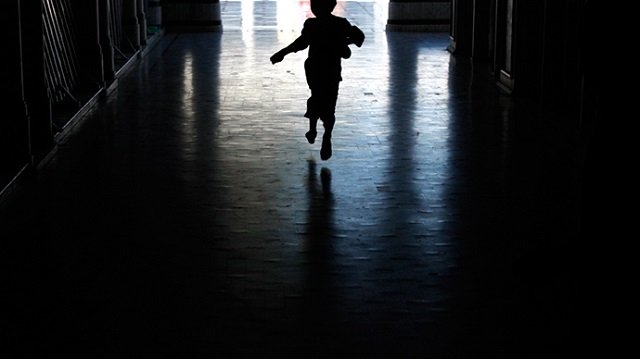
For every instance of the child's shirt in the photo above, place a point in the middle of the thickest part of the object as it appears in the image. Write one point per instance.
(327, 39)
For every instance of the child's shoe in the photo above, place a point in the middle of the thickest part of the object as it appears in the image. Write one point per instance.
(325, 150)
(311, 136)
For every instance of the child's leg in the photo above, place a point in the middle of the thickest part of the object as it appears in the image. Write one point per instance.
(312, 133)
(313, 122)
(328, 117)
(313, 117)
(327, 121)
(313, 111)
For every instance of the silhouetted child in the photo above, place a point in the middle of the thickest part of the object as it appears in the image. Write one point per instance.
(328, 38)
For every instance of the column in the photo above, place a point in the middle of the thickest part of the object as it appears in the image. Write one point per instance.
(142, 21)
(154, 15)
(90, 57)
(191, 15)
(106, 42)
(504, 44)
(36, 98)
(482, 41)
(130, 24)
(419, 15)
(14, 145)
(461, 31)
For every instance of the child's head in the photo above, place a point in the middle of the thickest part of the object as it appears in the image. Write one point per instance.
(322, 7)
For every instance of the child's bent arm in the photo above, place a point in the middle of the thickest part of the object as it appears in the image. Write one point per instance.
(356, 36)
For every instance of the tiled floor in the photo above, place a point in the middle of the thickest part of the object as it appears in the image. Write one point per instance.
(188, 217)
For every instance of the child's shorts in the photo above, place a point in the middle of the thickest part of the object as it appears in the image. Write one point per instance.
(322, 103)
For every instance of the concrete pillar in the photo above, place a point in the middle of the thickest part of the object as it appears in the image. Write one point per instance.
(461, 31)
(562, 36)
(142, 21)
(106, 41)
(154, 15)
(419, 15)
(504, 44)
(36, 97)
(14, 136)
(528, 48)
(482, 42)
(191, 15)
(90, 68)
(130, 25)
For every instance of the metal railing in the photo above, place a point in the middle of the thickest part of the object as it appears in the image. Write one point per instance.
(60, 55)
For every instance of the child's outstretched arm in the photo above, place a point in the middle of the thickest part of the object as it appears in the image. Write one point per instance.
(279, 56)
(298, 44)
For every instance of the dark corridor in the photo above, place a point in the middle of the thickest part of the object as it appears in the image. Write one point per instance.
(186, 216)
